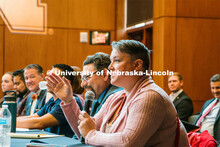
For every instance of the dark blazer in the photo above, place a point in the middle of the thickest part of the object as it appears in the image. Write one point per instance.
(40, 102)
(97, 106)
(184, 106)
(216, 130)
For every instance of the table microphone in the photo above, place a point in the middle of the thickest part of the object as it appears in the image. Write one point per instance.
(89, 96)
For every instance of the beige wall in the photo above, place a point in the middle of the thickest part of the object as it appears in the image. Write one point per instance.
(186, 39)
(66, 19)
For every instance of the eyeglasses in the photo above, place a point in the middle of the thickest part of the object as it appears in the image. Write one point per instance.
(87, 77)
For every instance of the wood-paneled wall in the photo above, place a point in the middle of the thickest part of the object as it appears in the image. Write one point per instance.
(186, 39)
(66, 19)
(1, 51)
(120, 20)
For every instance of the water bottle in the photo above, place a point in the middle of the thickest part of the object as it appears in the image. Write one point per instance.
(10, 100)
(5, 126)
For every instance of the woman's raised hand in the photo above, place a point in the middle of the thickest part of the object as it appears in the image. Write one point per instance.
(60, 86)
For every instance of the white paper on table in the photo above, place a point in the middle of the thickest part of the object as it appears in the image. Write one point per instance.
(22, 129)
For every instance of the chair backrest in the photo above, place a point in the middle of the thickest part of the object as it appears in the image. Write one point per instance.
(193, 118)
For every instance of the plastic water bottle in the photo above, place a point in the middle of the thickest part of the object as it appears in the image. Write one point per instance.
(5, 126)
(10, 100)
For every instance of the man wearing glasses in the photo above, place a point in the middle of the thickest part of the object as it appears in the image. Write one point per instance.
(98, 80)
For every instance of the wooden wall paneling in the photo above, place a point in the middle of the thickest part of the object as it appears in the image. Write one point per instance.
(184, 58)
(169, 48)
(198, 8)
(198, 55)
(164, 44)
(148, 38)
(1, 49)
(45, 50)
(1, 57)
(95, 14)
(77, 51)
(164, 8)
(57, 13)
(120, 20)
(1, 21)
(158, 49)
(197, 105)
(66, 19)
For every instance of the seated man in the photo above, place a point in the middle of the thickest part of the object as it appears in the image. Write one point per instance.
(181, 101)
(51, 117)
(34, 74)
(100, 85)
(21, 90)
(209, 117)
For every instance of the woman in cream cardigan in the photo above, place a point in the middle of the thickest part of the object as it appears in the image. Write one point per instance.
(140, 115)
